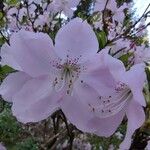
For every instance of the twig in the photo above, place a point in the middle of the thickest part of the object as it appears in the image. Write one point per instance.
(4, 37)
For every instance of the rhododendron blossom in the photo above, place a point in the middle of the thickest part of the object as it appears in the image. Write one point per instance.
(120, 93)
(93, 90)
(100, 5)
(65, 6)
(72, 74)
(141, 54)
(47, 76)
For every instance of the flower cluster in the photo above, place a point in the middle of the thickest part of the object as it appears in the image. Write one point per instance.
(93, 86)
(37, 14)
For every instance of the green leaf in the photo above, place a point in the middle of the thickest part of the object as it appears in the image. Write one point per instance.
(125, 58)
(102, 38)
(12, 2)
(2, 41)
(6, 69)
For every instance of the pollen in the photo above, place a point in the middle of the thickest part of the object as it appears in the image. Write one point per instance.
(69, 72)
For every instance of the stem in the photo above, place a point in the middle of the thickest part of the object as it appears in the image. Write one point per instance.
(103, 17)
(4, 37)
(70, 133)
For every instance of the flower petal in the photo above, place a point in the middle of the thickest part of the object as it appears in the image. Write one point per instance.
(35, 101)
(12, 84)
(76, 39)
(102, 72)
(7, 58)
(32, 51)
(76, 106)
(76, 112)
(115, 66)
(106, 126)
(38, 111)
(73, 3)
(136, 118)
(2, 147)
(135, 79)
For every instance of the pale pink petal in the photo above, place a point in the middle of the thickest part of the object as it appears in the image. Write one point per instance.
(116, 67)
(32, 51)
(100, 126)
(99, 5)
(76, 112)
(36, 112)
(80, 109)
(12, 11)
(119, 16)
(102, 71)
(101, 80)
(68, 12)
(136, 118)
(12, 84)
(76, 106)
(2, 147)
(73, 3)
(35, 101)
(106, 126)
(22, 13)
(35, 1)
(135, 79)
(7, 58)
(76, 39)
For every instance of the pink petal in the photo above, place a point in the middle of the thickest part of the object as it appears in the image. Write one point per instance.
(76, 108)
(119, 16)
(36, 112)
(12, 84)
(7, 58)
(136, 118)
(73, 3)
(2, 147)
(95, 124)
(115, 66)
(76, 112)
(135, 79)
(99, 5)
(102, 72)
(76, 39)
(35, 101)
(106, 126)
(32, 51)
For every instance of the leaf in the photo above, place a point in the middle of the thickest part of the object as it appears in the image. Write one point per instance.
(125, 58)
(12, 2)
(6, 69)
(102, 38)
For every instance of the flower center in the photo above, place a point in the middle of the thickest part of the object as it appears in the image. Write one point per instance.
(68, 72)
(110, 105)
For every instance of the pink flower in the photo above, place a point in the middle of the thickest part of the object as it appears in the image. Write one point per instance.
(63, 5)
(2, 147)
(42, 20)
(49, 76)
(100, 5)
(35, 1)
(141, 54)
(120, 94)
(118, 13)
(122, 46)
(93, 90)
